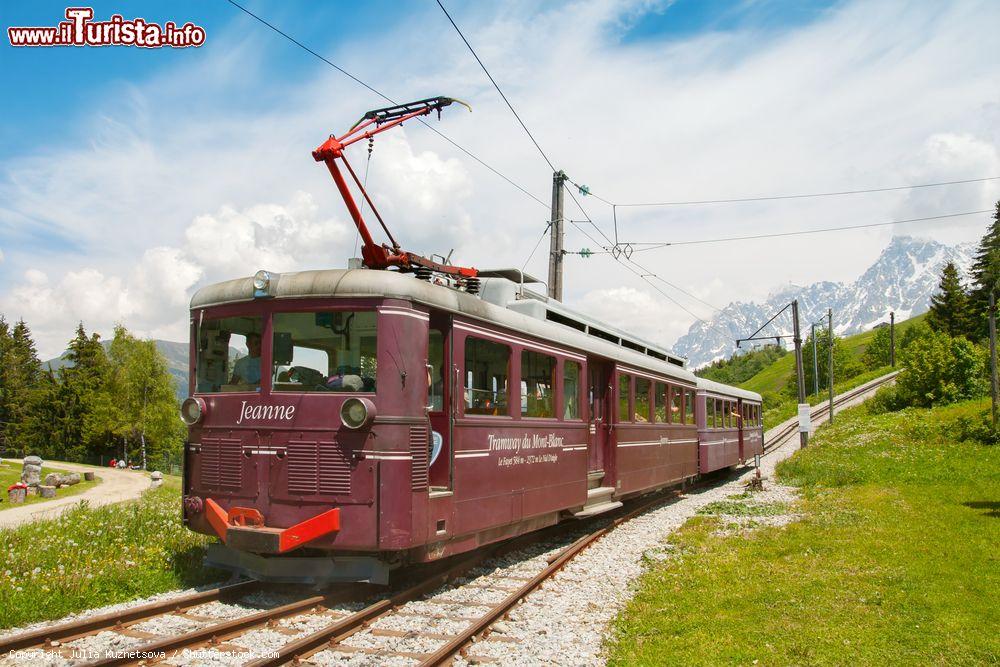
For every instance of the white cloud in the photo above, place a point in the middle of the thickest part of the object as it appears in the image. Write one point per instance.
(168, 195)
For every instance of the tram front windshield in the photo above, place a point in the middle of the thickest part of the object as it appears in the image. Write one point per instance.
(310, 352)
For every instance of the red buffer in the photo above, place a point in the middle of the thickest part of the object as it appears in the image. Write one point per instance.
(386, 256)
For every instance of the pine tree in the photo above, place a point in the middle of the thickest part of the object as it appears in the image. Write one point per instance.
(21, 373)
(985, 277)
(949, 311)
(80, 384)
(6, 341)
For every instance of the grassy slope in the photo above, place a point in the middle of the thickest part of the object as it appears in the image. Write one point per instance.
(773, 379)
(10, 473)
(89, 557)
(894, 561)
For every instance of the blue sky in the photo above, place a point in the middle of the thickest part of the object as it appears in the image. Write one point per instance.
(54, 85)
(121, 166)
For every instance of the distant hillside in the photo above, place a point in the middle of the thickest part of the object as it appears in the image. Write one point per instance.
(775, 377)
(176, 355)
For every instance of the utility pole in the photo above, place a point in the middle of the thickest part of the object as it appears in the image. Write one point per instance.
(994, 388)
(815, 362)
(829, 328)
(797, 338)
(556, 232)
(892, 338)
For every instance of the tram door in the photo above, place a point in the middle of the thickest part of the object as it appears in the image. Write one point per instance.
(439, 402)
(600, 396)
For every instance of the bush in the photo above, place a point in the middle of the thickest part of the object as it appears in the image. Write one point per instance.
(886, 399)
(939, 369)
(978, 429)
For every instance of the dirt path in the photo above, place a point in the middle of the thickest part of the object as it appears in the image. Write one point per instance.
(116, 486)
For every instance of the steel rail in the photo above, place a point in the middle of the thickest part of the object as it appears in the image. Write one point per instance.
(344, 628)
(58, 633)
(218, 632)
(448, 651)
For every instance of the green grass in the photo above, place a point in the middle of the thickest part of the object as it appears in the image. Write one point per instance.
(777, 412)
(10, 473)
(893, 562)
(89, 557)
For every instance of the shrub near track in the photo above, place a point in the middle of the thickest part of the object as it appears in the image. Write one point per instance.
(90, 557)
(894, 560)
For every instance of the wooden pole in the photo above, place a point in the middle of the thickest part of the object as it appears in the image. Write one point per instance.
(797, 338)
(892, 338)
(815, 362)
(994, 389)
(556, 238)
(829, 325)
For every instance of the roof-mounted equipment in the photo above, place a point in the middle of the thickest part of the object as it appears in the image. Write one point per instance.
(387, 256)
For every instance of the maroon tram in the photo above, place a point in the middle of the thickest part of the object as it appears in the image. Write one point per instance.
(345, 422)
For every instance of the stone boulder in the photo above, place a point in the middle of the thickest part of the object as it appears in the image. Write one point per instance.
(155, 479)
(62, 479)
(47, 491)
(31, 470)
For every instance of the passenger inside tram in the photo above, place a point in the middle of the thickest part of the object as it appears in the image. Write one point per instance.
(246, 370)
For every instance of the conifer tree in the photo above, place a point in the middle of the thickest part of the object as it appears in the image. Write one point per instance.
(5, 346)
(20, 378)
(985, 277)
(950, 305)
(81, 382)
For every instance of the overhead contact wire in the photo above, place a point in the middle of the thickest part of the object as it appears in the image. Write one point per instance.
(385, 97)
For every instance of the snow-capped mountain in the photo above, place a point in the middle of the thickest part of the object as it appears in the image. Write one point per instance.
(903, 279)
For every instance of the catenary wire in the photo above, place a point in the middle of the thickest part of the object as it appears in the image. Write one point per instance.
(734, 200)
(645, 273)
(801, 232)
(495, 85)
(386, 98)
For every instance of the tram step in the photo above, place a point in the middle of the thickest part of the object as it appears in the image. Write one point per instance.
(599, 494)
(598, 508)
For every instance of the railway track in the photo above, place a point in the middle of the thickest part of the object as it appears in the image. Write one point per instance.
(434, 617)
(435, 621)
(823, 410)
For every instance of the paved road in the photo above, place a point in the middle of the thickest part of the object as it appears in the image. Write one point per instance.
(115, 486)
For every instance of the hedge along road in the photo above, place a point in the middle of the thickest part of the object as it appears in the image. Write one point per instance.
(116, 486)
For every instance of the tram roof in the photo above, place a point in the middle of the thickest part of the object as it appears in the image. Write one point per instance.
(713, 387)
(362, 283)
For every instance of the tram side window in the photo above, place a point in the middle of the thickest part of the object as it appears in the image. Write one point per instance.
(624, 387)
(228, 354)
(729, 414)
(571, 390)
(720, 411)
(487, 367)
(662, 403)
(709, 413)
(641, 400)
(537, 384)
(325, 351)
(689, 406)
(676, 405)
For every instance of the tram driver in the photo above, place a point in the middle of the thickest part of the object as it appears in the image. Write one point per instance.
(247, 369)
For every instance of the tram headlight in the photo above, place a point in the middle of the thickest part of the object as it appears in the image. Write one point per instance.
(356, 412)
(192, 410)
(262, 283)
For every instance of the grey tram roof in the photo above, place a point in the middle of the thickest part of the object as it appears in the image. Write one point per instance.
(712, 387)
(360, 283)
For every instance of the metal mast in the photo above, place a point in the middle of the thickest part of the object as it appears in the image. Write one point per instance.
(556, 252)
